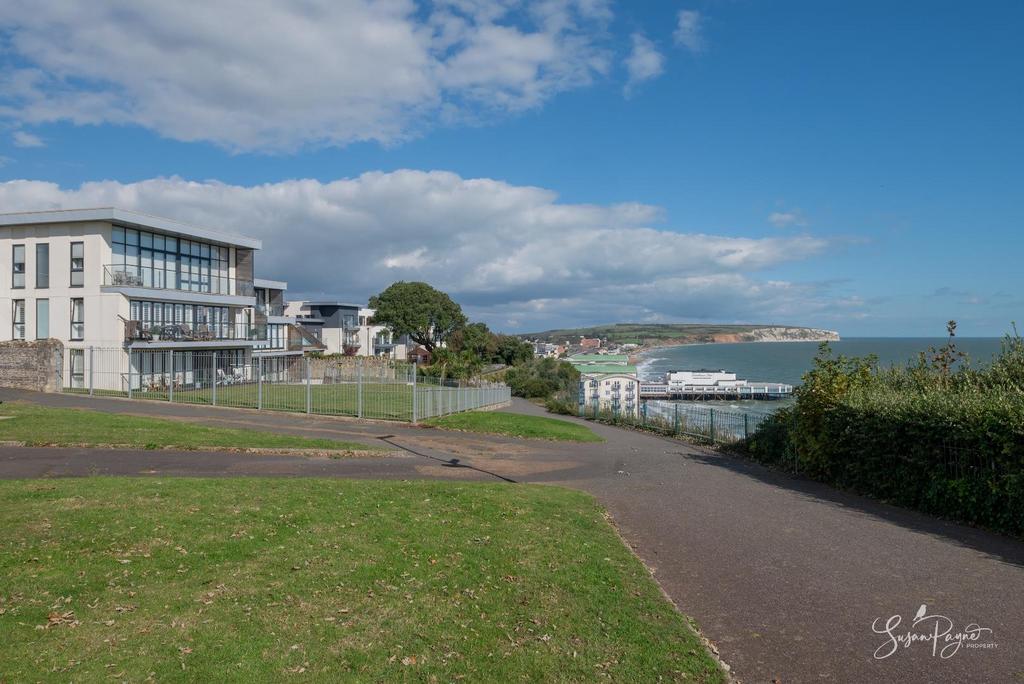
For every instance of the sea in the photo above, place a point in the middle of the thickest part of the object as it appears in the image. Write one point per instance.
(788, 361)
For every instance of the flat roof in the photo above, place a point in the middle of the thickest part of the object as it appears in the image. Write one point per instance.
(330, 303)
(268, 284)
(598, 358)
(608, 370)
(132, 219)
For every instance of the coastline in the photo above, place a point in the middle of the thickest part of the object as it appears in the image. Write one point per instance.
(636, 355)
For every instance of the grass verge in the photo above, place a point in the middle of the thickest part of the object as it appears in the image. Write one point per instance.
(516, 425)
(261, 580)
(46, 426)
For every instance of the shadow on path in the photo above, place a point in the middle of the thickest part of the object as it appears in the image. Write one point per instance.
(446, 462)
(991, 543)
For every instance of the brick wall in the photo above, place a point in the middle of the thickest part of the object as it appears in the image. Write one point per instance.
(31, 365)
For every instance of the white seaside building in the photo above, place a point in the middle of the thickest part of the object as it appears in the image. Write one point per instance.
(137, 286)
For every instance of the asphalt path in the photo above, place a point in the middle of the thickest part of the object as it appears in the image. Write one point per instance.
(789, 579)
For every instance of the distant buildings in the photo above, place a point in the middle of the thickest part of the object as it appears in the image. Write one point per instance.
(590, 343)
(607, 384)
(346, 328)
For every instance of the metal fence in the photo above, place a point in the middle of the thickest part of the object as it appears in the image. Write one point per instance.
(229, 377)
(709, 423)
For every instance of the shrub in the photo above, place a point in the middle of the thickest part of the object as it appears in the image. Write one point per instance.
(939, 436)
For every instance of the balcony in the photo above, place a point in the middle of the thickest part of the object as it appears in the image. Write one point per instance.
(149, 278)
(137, 331)
(270, 309)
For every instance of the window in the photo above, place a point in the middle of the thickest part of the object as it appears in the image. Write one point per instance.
(19, 319)
(77, 319)
(42, 319)
(161, 261)
(77, 264)
(42, 265)
(76, 364)
(19, 266)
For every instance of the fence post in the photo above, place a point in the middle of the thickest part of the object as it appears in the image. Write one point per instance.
(309, 389)
(359, 387)
(129, 373)
(91, 357)
(712, 412)
(746, 427)
(170, 383)
(259, 383)
(675, 421)
(414, 374)
(213, 378)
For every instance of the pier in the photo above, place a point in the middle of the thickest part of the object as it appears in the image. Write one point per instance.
(759, 390)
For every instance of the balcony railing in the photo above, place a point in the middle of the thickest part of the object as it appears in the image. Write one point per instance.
(270, 309)
(119, 275)
(137, 331)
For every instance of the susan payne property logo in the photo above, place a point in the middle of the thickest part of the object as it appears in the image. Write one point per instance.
(940, 634)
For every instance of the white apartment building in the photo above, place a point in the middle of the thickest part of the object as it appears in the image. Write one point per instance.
(617, 393)
(122, 280)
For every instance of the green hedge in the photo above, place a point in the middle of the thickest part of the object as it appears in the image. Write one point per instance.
(951, 445)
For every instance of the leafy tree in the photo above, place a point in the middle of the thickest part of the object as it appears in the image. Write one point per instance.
(428, 316)
(512, 351)
(477, 339)
(542, 378)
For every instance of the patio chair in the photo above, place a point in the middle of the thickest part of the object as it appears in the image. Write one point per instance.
(222, 378)
(186, 332)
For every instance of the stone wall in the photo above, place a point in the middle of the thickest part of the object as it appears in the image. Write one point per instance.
(31, 365)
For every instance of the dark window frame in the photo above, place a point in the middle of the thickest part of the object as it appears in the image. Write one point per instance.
(42, 248)
(80, 322)
(81, 267)
(14, 267)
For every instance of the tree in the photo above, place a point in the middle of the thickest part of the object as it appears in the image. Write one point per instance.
(426, 315)
(512, 351)
(477, 339)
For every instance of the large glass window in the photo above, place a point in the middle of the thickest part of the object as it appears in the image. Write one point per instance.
(18, 266)
(77, 264)
(77, 319)
(42, 319)
(42, 265)
(161, 261)
(18, 317)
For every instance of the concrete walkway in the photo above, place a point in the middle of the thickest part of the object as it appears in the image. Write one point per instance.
(784, 576)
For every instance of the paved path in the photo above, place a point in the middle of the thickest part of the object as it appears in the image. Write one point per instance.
(784, 576)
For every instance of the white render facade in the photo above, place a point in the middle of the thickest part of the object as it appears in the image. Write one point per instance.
(114, 279)
(618, 393)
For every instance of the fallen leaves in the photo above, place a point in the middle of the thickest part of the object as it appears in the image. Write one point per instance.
(58, 619)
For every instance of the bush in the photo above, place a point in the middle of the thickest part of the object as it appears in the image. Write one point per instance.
(543, 378)
(940, 436)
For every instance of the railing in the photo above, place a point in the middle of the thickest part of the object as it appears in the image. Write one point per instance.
(387, 391)
(270, 310)
(137, 331)
(147, 277)
(705, 423)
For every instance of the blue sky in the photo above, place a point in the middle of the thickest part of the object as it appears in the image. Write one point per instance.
(854, 166)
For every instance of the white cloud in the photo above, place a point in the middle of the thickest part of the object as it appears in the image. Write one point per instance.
(26, 139)
(688, 30)
(785, 219)
(644, 61)
(505, 252)
(266, 75)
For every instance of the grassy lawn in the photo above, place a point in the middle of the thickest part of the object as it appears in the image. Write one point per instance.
(515, 425)
(320, 580)
(42, 426)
